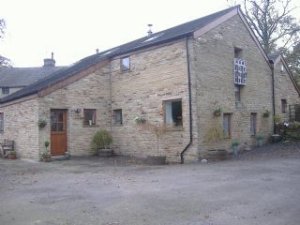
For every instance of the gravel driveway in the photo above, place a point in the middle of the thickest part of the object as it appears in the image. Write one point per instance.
(262, 187)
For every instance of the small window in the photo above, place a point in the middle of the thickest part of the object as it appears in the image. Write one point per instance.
(89, 117)
(227, 125)
(283, 105)
(237, 93)
(253, 121)
(238, 53)
(173, 112)
(5, 90)
(125, 64)
(118, 117)
(1, 122)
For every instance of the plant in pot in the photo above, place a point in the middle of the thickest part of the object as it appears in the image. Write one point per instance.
(235, 147)
(259, 139)
(101, 143)
(46, 156)
(42, 123)
(158, 130)
(11, 154)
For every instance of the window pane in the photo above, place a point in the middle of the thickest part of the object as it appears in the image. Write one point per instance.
(118, 117)
(90, 117)
(173, 113)
(226, 125)
(253, 124)
(125, 64)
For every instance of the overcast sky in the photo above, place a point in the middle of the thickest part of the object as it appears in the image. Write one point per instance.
(74, 29)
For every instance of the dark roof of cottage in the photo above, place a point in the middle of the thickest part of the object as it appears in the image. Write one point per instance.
(161, 37)
(21, 77)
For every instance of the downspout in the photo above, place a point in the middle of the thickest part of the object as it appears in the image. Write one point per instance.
(190, 102)
(273, 93)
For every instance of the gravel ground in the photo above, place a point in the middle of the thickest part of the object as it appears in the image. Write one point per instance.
(261, 187)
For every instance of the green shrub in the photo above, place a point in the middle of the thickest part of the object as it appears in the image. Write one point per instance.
(101, 140)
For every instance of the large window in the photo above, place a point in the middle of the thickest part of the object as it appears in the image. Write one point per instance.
(5, 90)
(89, 117)
(227, 125)
(173, 112)
(1, 122)
(125, 64)
(253, 122)
(118, 117)
(283, 105)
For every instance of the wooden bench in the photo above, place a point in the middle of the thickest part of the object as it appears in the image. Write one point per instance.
(7, 145)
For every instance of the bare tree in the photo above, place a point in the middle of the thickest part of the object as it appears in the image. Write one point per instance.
(3, 60)
(272, 22)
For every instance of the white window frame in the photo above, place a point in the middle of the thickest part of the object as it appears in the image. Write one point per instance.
(125, 63)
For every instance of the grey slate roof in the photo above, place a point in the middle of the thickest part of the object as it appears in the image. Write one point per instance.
(21, 77)
(161, 37)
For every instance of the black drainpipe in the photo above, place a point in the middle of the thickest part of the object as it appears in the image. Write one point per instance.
(273, 94)
(190, 103)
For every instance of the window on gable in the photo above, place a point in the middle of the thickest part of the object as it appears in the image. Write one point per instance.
(238, 53)
(173, 112)
(125, 64)
(227, 125)
(283, 105)
(1, 122)
(118, 117)
(5, 90)
(253, 122)
(89, 117)
(237, 93)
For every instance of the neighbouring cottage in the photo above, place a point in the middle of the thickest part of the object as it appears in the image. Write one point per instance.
(209, 81)
(13, 79)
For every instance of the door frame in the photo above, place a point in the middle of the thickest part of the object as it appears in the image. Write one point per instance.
(65, 127)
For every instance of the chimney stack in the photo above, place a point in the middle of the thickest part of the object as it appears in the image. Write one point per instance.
(49, 62)
(150, 31)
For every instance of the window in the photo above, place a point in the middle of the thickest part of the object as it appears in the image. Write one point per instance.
(227, 125)
(1, 122)
(89, 117)
(283, 105)
(5, 90)
(238, 53)
(125, 64)
(118, 117)
(237, 93)
(253, 119)
(173, 112)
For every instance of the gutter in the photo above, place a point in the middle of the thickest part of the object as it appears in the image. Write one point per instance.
(273, 93)
(190, 103)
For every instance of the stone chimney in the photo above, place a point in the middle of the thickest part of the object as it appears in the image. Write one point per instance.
(150, 31)
(49, 62)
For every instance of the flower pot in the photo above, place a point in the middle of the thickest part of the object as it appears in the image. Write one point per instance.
(156, 160)
(105, 152)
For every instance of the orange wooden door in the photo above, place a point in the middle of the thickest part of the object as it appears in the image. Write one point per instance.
(58, 131)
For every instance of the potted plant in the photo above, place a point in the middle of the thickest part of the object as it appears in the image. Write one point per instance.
(217, 112)
(158, 130)
(259, 139)
(46, 156)
(266, 114)
(42, 123)
(11, 154)
(235, 147)
(101, 143)
(140, 120)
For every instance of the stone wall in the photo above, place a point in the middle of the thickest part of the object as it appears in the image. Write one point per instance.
(90, 92)
(155, 75)
(20, 125)
(212, 65)
(284, 89)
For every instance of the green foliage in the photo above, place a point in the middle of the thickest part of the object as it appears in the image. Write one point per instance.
(266, 114)
(277, 119)
(214, 134)
(101, 140)
(42, 123)
(235, 143)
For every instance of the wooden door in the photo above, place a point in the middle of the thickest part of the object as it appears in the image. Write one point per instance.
(58, 131)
